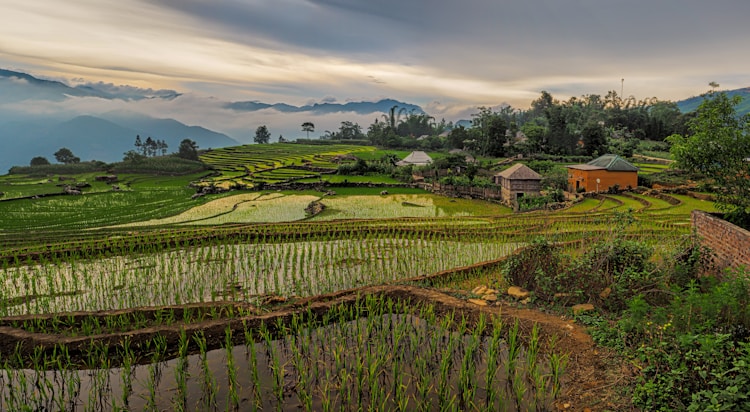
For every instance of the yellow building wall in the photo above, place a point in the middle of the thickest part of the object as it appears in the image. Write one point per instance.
(587, 179)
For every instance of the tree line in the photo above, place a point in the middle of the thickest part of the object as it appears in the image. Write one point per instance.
(587, 125)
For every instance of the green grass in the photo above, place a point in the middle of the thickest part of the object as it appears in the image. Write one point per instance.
(144, 198)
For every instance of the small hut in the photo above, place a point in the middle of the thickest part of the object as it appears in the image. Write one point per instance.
(416, 158)
(518, 181)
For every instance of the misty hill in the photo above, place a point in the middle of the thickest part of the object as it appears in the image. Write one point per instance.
(689, 105)
(381, 106)
(95, 138)
(17, 87)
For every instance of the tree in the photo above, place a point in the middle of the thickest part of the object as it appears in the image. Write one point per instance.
(64, 155)
(131, 156)
(162, 146)
(308, 127)
(594, 139)
(139, 144)
(262, 135)
(149, 147)
(393, 116)
(718, 146)
(349, 130)
(39, 161)
(188, 150)
(490, 128)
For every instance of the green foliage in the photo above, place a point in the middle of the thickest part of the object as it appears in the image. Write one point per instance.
(188, 150)
(308, 127)
(536, 268)
(262, 135)
(694, 352)
(131, 156)
(555, 179)
(538, 202)
(39, 161)
(160, 165)
(59, 169)
(65, 156)
(718, 146)
(363, 167)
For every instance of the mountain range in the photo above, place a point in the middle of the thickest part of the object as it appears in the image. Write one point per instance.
(381, 106)
(99, 121)
(38, 117)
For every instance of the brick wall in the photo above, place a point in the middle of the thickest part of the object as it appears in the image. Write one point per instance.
(730, 243)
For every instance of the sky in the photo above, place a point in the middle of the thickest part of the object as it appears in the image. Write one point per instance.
(447, 56)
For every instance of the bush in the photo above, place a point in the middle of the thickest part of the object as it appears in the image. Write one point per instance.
(536, 268)
(694, 352)
(59, 169)
(164, 165)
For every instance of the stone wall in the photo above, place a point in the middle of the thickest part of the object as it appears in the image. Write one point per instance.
(730, 243)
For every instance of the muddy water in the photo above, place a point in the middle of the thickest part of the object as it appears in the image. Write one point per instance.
(379, 362)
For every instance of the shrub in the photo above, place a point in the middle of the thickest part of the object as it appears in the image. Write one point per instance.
(536, 268)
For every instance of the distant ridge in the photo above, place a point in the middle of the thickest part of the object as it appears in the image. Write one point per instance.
(17, 86)
(103, 138)
(381, 106)
(691, 104)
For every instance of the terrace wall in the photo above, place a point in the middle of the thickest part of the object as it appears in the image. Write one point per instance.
(730, 243)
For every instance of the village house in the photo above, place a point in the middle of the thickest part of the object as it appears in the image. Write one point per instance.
(601, 174)
(518, 181)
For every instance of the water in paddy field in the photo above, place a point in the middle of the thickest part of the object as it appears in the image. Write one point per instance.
(387, 362)
(206, 273)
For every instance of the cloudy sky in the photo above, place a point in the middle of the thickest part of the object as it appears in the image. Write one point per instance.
(441, 54)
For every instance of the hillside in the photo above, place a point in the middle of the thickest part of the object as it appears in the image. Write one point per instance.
(96, 138)
(689, 105)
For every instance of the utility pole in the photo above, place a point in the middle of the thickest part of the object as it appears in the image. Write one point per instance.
(622, 87)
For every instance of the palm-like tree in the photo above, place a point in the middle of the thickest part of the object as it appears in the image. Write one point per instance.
(393, 117)
(308, 127)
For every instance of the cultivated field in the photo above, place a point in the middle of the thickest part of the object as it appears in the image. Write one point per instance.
(145, 299)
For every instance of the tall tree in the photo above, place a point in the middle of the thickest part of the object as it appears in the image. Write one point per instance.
(149, 147)
(308, 127)
(139, 144)
(162, 146)
(718, 145)
(393, 117)
(262, 135)
(594, 139)
(64, 155)
(490, 128)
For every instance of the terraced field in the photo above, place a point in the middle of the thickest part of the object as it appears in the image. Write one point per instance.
(253, 165)
(245, 301)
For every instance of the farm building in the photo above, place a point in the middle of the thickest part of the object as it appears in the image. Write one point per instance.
(601, 174)
(518, 181)
(416, 158)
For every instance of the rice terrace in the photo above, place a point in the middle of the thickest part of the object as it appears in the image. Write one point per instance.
(264, 278)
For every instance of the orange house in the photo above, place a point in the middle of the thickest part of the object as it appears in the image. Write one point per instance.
(602, 173)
